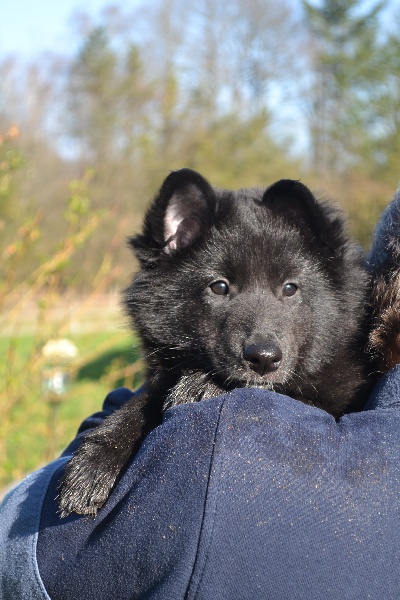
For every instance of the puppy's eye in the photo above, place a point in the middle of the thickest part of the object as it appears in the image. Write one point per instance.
(289, 289)
(221, 288)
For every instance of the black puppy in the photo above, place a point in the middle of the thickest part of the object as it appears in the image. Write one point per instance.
(250, 288)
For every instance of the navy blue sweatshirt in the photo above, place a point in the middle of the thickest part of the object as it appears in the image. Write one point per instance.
(251, 495)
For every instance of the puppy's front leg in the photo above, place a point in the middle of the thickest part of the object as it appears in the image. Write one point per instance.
(92, 472)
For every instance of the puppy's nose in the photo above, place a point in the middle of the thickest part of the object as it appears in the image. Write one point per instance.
(263, 357)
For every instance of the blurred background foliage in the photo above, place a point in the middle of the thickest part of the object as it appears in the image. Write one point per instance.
(246, 92)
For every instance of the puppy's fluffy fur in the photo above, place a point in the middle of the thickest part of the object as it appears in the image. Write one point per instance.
(384, 266)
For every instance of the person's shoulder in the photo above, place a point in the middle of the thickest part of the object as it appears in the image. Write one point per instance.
(221, 498)
(20, 514)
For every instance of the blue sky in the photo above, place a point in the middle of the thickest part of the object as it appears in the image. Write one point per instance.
(31, 26)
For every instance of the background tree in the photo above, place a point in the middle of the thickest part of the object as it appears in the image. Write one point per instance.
(217, 87)
(344, 50)
(383, 124)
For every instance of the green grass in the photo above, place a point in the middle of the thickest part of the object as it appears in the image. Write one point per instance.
(34, 430)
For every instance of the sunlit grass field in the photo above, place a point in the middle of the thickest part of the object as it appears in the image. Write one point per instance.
(34, 429)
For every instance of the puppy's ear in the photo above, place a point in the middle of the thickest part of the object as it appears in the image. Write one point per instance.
(294, 202)
(180, 214)
(187, 202)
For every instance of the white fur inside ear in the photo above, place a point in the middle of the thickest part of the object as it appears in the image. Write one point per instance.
(173, 218)
(185, 205)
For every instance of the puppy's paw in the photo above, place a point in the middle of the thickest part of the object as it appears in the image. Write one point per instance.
(90, 476)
